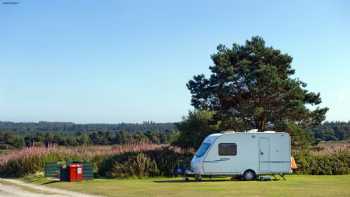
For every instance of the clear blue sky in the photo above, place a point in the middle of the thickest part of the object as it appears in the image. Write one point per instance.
(128, 61)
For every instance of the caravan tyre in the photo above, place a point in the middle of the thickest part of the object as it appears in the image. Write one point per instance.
(249, 175)
(198, 178)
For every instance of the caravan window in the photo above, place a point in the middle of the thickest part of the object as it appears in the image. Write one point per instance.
(202, 149)
(227, 149)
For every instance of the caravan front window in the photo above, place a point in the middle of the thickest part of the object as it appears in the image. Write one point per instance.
(202, 149)
(227, 149)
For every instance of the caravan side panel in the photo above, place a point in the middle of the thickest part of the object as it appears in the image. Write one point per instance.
(246, 155)
(280, 153)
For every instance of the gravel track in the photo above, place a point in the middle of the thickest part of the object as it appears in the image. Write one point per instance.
(17, 188)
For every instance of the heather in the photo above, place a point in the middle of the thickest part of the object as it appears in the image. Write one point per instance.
(323, 164)
(149, 160)
(17, 163)
(326, 158)
(156, 162)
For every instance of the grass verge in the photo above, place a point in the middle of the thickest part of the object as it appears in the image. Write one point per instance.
(294, 186)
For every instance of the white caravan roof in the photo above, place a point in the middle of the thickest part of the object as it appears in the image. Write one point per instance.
(212, 137)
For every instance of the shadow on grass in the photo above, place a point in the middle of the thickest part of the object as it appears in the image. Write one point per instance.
(191, 181)
(50, 182)
(216, 180)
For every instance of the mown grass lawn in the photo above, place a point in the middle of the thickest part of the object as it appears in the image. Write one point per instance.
(296, 185)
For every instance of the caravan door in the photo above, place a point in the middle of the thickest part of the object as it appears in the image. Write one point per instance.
(264, 154)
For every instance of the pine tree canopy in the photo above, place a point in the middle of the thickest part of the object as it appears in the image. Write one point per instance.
(252, 86)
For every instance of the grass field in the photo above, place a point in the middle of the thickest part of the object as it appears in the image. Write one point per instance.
(315, 186)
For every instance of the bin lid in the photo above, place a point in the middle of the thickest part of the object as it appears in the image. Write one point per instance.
(75, 165)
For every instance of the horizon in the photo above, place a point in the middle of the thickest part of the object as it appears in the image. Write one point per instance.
(100, 63)
(43, 121)
(113, 123)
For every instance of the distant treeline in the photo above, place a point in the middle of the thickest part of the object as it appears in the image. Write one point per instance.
(73, 127)
(17, 135)
(331, 131)
(10, 140)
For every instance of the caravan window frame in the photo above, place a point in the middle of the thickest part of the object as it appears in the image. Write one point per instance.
(223, 153)
(202, 149)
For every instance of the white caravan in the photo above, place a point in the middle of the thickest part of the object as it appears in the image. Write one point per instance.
(247, 154)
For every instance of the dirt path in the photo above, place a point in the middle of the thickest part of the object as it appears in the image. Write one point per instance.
(16, 188)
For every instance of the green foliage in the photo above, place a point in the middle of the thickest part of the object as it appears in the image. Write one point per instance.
(331, 131)
(18, 163)
(194, 128)
(331, 164)
(10, 139)
(159, 162)
(141, 161)
(168, 159)
(251, 86)
(69, 127)
(134, 164)
(300, 139)
(17, 135)
(30, 164)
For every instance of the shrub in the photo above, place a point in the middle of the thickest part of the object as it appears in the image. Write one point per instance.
(157, 162)
(332, 164)
(169, 158)
(133, 164)
(19, 163)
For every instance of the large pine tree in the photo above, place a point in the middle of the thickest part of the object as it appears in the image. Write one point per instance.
(252, 86)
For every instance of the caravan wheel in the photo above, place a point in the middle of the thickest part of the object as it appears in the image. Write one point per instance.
(198, 178)
(249, 175)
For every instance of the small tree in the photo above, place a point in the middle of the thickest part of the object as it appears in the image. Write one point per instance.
(194, 128)
(252, 86)
(301, 139)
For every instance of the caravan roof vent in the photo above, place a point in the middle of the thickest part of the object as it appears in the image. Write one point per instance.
(228, 132)
(269, 131)
(252, 131)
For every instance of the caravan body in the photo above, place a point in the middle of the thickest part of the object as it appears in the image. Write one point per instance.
(236, 153)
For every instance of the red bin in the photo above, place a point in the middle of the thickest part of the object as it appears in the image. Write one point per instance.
(75, 172)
